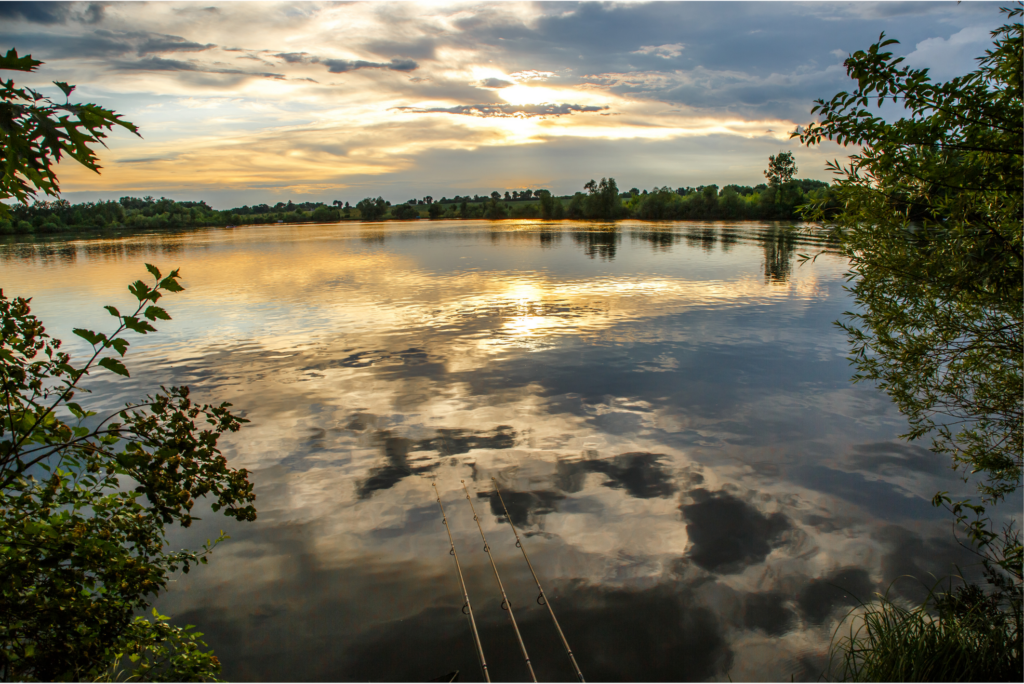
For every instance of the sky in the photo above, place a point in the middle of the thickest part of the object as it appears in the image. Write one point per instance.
(245, 102)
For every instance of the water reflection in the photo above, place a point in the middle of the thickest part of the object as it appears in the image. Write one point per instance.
(728, 535)
(704, 237)
(669, 416)
(598, 241)
(779, 245)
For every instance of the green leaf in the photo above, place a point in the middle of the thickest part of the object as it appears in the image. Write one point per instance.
(114, 366)
(170, 283)
(155, 312)
(113, 312)
(140, 290)
(89, 336)
(120, 345)
(64, 87)
(14, 63)
(141, 327)
(154, 270)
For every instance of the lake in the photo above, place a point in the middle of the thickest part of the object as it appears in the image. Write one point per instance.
(667, 409)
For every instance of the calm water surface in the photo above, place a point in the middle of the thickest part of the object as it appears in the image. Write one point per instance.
(667, 409)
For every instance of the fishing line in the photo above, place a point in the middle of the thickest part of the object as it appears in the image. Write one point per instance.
(467, 609)
(541, 597)
(505, 604)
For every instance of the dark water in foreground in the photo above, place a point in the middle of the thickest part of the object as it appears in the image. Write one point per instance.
(666, 406)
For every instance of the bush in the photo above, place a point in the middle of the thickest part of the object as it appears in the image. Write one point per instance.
(404, 212)
(84, 501)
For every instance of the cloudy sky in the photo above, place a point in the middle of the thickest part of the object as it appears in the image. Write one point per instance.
(242, 102)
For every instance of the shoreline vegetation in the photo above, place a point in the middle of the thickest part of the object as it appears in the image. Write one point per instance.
(601, 201)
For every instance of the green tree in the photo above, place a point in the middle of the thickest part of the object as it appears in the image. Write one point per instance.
(85, 499)
(405, 212)
(929, 214)
(495, 210)
(602, 200)
(372, 209)
(324, 214)
(781, 169)
(550, 207)
(36, 133)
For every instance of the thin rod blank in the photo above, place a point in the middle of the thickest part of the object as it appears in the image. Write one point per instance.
(522, 548)
(465, 594)
(506, 604)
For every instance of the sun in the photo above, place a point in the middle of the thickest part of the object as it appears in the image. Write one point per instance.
(522, 94)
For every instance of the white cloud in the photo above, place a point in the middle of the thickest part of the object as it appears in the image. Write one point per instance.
(667, 51)
(531, 75)
(947, 58)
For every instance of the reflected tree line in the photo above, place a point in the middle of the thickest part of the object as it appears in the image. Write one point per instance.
(45, 252)
(779, 243)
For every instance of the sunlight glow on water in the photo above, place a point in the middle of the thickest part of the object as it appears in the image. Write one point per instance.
(666, 406)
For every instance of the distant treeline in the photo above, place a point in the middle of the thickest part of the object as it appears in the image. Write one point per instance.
(601, 200)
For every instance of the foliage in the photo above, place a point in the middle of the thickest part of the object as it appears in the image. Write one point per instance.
(404, 212)
(781, 169)
(160, 652)
(372, 209)
(84, 501)
(929, 214)
(495, 209)
(36, 132)
(959, 636)
(550, 207)
(931, 222)
(602, 201)
(734, 202)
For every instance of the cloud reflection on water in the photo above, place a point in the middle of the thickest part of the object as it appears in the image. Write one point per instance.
(665, 406)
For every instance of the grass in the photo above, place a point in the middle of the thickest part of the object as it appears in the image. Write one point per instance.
(960, 636)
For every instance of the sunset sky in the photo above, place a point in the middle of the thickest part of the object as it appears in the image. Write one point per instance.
(242, 103)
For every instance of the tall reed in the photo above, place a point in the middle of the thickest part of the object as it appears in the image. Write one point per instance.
(959, 636)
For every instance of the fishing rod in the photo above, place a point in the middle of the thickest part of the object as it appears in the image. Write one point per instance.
(542, 596)
(505, 604)
(466, 608)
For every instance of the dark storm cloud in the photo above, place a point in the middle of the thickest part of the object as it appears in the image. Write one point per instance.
(728, 534)
(340, 66)
(51, 12)
(504, 111)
